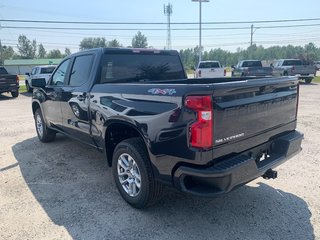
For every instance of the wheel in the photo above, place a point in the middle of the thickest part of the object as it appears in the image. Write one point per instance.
(29, 89)
(133, 174)
(44, 133)
(15, 94)
(308, 80)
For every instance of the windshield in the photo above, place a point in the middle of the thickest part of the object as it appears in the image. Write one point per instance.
(47, 70)
(252, 64)
(141, 67)
(209, 65)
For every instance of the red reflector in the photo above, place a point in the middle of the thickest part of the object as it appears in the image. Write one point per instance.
(201, 134)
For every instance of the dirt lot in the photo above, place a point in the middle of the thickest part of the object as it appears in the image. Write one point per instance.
(64, 190)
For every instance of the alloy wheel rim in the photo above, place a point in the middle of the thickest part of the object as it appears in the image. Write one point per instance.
(39, 125)
(129, 175)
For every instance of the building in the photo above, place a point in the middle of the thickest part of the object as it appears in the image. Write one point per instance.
(22, 66)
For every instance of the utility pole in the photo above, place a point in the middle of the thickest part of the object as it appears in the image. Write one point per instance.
(200, 19)
(251, 35)
(167, 10)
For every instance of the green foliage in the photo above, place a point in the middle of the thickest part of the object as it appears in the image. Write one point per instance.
(55, 53)
(139, 41)
(309, 53)
(26, 48)
(67, 52)
(6, 53)
(41, 51)
(114, 43)
(88, 43)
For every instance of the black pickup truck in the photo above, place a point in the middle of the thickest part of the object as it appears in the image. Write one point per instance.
(204, 136)
(9, 83)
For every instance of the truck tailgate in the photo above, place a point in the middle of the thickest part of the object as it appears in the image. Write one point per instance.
(8, 80)
(252, 107)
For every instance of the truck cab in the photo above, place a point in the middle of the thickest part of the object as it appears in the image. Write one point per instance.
(38, 73)
(209, 69)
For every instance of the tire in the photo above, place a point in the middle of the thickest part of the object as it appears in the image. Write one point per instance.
(308, 80)
(15, 94)
(29, 89)
(131, 156)
(44, 133)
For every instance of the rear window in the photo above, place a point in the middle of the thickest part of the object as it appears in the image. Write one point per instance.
(209, 65)
(140, 67)
(252, 64)
(292, 62)
(3, 70)
(47, 70)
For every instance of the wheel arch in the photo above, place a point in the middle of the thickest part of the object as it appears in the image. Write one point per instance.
(117, 131)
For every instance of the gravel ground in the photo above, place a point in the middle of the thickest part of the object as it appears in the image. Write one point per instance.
(64, 190)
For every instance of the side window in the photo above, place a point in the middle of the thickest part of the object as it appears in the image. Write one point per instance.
(59, 75)
(80, 70)
(33, 72)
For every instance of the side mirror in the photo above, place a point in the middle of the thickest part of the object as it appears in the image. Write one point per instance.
(38, 83)
(28, 74)
(193, 68)
(271, 65)
(233, 66)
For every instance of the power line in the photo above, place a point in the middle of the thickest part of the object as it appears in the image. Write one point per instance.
(157, 23)
(156, 29)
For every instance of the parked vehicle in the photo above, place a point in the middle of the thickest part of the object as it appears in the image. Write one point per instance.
(39, 73)
(294, 67)
(317, 64)
(251, 68)
(203, 136)
(209, 69)
(9, 83)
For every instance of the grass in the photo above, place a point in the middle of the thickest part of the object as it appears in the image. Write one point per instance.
(316, 79)
(23, 89)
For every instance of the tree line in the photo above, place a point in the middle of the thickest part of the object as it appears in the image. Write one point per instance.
(29, 49)
(308, 53)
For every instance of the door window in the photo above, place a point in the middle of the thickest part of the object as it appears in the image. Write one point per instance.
(80, 70)
(59, 75)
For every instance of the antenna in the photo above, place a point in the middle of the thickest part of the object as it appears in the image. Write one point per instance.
(167, 10)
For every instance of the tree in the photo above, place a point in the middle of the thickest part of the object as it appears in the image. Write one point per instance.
(26, 48)
(139, 41)
(55, 53)
(88, 43)
(114, 43)
(41, 51)
(67, 51)
(6, 53)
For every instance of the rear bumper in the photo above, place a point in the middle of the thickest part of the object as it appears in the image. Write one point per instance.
(9, 88)
(238, 170)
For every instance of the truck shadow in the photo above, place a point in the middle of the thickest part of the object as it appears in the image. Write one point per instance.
(6, 96)
(75, 188)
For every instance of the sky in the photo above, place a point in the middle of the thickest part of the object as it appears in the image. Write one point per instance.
(147, 11)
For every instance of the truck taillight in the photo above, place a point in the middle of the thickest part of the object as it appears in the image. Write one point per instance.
(17, 79)
(199, 73)
(201, 132)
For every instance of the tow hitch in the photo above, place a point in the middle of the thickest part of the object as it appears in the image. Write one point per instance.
(270, 174)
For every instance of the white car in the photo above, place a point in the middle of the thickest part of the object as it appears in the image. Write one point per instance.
(39, 73)
(209, 69)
